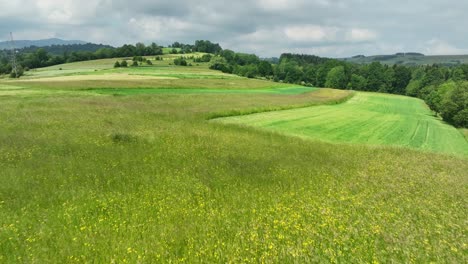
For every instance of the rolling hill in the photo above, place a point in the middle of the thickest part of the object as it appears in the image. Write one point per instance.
(39, 43)
(410, 59)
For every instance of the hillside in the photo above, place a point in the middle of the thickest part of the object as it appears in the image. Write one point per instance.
(410, 59)
(102, 164)
(39, 43)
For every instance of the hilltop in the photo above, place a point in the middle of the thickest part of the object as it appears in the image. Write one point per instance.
(410, 59)
(19, 44)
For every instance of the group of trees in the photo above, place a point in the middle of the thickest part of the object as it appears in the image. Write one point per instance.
(65, 49)
(445, 89)
(205, 46)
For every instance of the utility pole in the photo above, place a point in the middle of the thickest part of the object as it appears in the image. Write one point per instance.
(14, 66)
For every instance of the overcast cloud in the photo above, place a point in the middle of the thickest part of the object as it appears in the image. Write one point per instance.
(334, 28)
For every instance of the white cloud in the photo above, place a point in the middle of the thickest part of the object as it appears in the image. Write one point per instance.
(360, 35)
(278, 5)
(440, 47)
(267, 27)
(311, 33)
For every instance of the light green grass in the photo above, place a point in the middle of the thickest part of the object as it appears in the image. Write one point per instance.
(146, 178)
(375, 119)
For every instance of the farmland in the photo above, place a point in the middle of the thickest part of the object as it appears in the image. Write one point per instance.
(126, 165)
(375, 119)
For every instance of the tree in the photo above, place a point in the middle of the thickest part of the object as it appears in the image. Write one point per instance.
(375, 76)
(265, 68)
(433, 76)
(454, 105)
(140, 49)
(124, 64)
(413, 87)
(180, 61)
(458, 75)
(156, 50)
(310, 74)
(401, 80)
(389, 79)
(336, 78)
(117, 64)
(220, 64)
(135, 64)
(357, 82)
(19, 72)
(207, 47)
(461, 118)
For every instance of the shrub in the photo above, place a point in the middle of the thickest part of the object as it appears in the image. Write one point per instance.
(19, 72)
(180, 62)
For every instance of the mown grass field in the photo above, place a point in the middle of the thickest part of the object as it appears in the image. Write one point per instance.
(368, 118)
(91, 176)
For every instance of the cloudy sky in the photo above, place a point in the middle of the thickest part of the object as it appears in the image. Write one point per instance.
(334, 28)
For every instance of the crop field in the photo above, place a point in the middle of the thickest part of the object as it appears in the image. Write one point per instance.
(125, 170)
(375, 119)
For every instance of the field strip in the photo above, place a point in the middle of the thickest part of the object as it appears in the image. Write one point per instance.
(133, 91)
(100, 77)
(367, 118)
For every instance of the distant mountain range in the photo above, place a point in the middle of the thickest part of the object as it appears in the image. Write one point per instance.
(19, 44)
(410, 59)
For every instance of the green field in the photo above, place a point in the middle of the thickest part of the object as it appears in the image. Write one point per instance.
(98, 165)
(375, 119)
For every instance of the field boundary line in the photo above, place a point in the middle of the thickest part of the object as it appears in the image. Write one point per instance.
(233, 113)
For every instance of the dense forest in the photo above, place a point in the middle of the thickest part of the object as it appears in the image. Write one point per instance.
(445, 89)
(64, 49)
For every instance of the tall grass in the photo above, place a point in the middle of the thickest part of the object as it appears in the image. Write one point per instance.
(180, 189)
(147, 179)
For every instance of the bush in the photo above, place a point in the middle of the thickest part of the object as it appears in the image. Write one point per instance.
(124, 64)
(149, 62)
(135, 64)
(204, 58)
(138, 58)
(117, 64)
(19, 72)
(180, 62)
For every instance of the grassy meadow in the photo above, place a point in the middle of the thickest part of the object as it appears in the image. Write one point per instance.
(111, 171)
